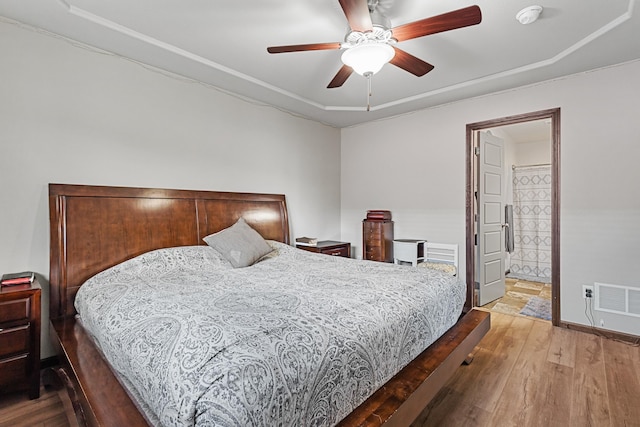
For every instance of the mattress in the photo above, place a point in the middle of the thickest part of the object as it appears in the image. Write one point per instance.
(298, 338)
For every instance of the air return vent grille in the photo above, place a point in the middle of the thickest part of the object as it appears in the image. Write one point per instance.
(618, 299)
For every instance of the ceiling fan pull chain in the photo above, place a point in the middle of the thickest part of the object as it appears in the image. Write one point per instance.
(368, 75)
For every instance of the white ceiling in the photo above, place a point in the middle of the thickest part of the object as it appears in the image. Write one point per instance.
(223, 43)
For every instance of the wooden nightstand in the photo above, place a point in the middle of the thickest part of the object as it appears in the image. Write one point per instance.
(20, 338)
(329, 247)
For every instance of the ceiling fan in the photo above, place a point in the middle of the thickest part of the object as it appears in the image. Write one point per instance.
(370, 43)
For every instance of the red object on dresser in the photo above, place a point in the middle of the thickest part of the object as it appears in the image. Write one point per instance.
(379, 215)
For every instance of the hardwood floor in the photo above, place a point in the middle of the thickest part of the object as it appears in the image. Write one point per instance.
(525, 373)
(529, 373)
(16, 410)
(517, 295)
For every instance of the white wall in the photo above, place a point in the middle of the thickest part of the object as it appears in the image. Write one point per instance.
(414, 165)
(532, 153)
(71, 115)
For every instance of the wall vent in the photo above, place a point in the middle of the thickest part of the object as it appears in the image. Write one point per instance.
(617, 299)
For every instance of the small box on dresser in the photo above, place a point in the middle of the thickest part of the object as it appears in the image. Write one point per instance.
(20, 338)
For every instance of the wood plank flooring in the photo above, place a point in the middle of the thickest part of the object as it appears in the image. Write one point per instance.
(525, 373)
(16, 410)
(517, 294)
(528, 373)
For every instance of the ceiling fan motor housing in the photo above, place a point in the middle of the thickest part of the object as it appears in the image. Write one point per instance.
(378, 35)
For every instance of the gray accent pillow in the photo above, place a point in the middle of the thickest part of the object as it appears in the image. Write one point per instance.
(239, 244)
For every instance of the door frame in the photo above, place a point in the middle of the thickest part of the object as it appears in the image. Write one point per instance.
(471, 170)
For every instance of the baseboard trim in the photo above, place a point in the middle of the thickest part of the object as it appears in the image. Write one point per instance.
(606, 333)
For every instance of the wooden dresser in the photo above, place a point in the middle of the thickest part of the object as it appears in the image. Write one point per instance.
(377, 240)
(20, 338)
(329, 247)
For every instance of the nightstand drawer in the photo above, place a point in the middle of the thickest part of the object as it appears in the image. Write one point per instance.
(343, 252)
(14, 340)
(20, 338)
(13, 369)
(13, 310)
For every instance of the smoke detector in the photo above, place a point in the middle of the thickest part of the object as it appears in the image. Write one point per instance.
(529, 14)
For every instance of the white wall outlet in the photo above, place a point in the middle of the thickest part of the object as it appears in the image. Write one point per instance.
(587, 291)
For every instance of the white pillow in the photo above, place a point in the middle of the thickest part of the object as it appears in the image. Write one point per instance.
(239, 244)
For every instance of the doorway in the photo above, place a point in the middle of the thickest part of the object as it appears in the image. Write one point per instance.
(551, 116)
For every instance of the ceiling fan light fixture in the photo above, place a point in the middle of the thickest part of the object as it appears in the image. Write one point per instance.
(529, 15)
(368, 58)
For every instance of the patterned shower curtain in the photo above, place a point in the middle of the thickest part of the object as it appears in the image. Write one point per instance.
(531, 258)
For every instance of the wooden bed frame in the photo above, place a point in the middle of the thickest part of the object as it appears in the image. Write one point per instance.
(95, 227)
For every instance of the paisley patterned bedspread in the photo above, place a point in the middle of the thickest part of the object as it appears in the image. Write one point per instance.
(297, 339)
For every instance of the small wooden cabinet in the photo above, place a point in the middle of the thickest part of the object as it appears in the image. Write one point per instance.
(329, 247)
(20, 338)
(377, 240)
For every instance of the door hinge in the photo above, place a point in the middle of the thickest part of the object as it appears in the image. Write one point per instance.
(476, 151)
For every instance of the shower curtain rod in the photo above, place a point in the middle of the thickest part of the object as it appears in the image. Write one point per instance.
(530, 166)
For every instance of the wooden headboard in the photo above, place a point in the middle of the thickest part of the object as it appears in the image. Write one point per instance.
(95, 227)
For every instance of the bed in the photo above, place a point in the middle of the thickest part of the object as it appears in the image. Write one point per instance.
(100, 229)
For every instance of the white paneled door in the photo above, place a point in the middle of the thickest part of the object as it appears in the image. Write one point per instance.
(490, 219)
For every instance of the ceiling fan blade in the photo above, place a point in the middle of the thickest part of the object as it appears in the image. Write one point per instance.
(410, 63)
(357, 13)
(303, 47)
(436, 24)
(341, 77)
